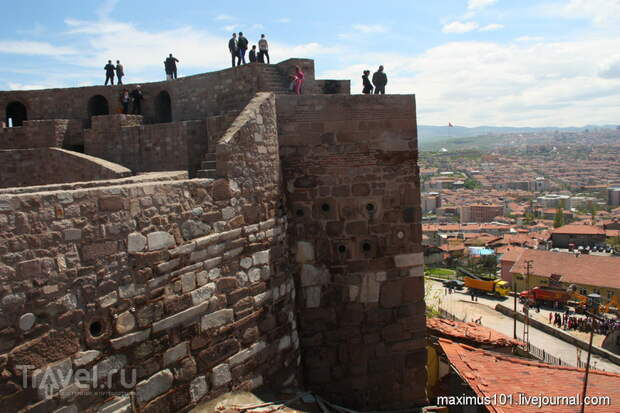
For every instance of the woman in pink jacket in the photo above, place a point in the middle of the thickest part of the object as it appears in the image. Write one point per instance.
(298, 79)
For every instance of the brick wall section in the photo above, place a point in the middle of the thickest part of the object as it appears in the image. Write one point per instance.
(123, 139)
(187, 282)
(43, 166)
(352, 190)
(40, 134)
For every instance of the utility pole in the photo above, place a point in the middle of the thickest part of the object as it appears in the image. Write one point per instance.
(592, 317)
(526, 323)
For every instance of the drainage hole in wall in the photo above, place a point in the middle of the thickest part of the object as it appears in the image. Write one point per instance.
(342, 249)
(299, 212)
(370, 207)
(325, 207)
(96, 329)
(366, 246)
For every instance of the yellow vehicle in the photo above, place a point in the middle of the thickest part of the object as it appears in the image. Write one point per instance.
(499, 288)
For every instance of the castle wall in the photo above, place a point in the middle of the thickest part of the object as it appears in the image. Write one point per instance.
(186, 283)
(123, 139)
(353, 198)
(40, 134)
(43, 166)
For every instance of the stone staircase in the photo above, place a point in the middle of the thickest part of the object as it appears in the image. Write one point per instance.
(274, 80)
(207, 167)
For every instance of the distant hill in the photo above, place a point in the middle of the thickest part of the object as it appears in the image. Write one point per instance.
(427, 134)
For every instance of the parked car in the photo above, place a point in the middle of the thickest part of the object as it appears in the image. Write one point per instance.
(456, 284)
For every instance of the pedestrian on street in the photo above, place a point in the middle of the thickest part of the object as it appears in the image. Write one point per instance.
(120, 72)
(172, 64)
(234, 51)
(136, 98)
(367, 90)
(379, 80)
(242, 45)
(263, 49)
(125, 99)
(550, 317)
(109, 73)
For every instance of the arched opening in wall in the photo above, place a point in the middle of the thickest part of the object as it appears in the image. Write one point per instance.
(98, 105)
(163, 107)
(16, 114)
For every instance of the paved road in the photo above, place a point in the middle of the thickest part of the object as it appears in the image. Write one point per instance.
(460, 304)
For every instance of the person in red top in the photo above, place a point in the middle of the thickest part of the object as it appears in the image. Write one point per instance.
(298, 78)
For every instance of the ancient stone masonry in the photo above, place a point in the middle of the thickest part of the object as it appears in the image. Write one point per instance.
(294, 260)
(352, 188)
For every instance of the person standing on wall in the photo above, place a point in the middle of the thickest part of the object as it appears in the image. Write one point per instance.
(298, 79)
(252, 54)
(379, 79)
(367, 90)
(136, 98)
(172, 61)
(242, 45)
(234, 51)
(120, 72)
(167, 69)
(125, 99)
(109, 73)
(263, 49)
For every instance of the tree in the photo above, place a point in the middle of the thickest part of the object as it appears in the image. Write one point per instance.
(558, 220)
(471, 183)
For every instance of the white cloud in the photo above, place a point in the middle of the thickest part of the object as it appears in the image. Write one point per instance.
(106, 8)
(284, 20)
(491, 27)
(530, 39)
(37, 30)
(370, 28)
(34, 48)
(221, 17)
(27, 86)
(610, 68)
(459, 27)
(231, 27)
(479, 4)
(599, 11)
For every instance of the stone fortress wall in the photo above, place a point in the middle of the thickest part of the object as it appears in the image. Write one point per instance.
(297, 263)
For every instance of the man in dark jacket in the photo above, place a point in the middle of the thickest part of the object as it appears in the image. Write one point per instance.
(172, 62)
(242, 45)
(252, 54)
(136, 98)
(109, 73)
(120, 72)
(379, 79)
(232, 46)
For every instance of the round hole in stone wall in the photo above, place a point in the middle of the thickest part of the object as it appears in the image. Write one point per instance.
(342, 249)
(325, 207)
(95, 329)
(299, 212)
(366, 246)
(370, 207)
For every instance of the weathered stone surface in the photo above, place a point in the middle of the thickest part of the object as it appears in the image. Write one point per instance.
(159, 240)
(313, 296)
(109, 364)
(176, 353)
(198, 388)
(125, 322)
(221, 375)
(217, 319)
(52, 378)
(305, 252)
(53, 346)
(130, 339)
(203, 293)
(108, 299)
(155, 385)
(180, 317)
(409, 260)
(26, 321)
(84, 358)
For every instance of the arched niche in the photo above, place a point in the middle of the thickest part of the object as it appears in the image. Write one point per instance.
(17, 113)
(98, 105)
(163, 107)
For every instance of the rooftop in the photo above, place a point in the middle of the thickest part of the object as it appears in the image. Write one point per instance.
(472, 332)
(579, 229)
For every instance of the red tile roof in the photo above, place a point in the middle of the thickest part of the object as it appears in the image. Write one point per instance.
(489, 374)
(471, 332)
(594, 270)
(579, 229)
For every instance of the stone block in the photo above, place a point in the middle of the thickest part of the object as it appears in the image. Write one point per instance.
(109, 365)
(72, 234)
(26, 321)
(157, 384)
(261, 257)
(217, 319)
(409, 260)
(159, 240)
(311, 275)
(202, 294)
(198, 388)
(125, 322)
(84, 358)
(391, 293)
(221, 375)
(180, 317)
(305, 252)
(117, 405)
(130, 339)
(176, 353)
(52, 378)
(245, 263)
(313, 296)
(99, 249)
(188, 282)
(108, 299)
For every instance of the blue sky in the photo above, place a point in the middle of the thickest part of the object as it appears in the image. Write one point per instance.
(470, 62)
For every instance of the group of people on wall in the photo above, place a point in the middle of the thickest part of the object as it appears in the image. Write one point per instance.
(379, 80)
(238, 46)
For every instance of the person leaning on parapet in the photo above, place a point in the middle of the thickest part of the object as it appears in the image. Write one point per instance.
(234, 51)
(366, 82)
(120, 72)
(109, 73)
(125, 99)
(136, 98)
(379, 79)
(263, 49)
(252, 54)
(242, 45)
(172, 62)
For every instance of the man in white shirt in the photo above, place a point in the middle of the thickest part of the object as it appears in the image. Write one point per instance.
(263, 49)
